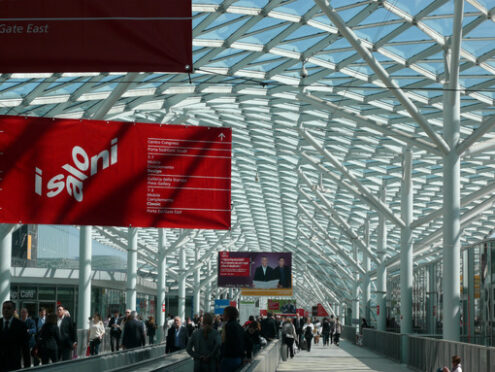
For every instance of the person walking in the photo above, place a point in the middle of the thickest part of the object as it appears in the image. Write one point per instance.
(39, 322)
(269, 329)
(298, 325)
(67, 333)
(232, 349)
(48, 340)
(308, 330)
(177, 337)
(332, 328)
(204, 346)
(96, 332)
(115, 331)
(338, 331)
(31, 326)
(456, 365)
(151, 329)
(133, 332)
(325, 331)
(252, 339)
(13, 338)
(289, 335)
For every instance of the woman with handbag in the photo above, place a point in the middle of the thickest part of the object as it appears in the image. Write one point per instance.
(95, 334)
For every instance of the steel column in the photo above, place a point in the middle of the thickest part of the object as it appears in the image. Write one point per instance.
(381, 280)
(451, 205)
(406, 251)
(355, 292)
(469, 278)
(197, 290)
(5, 261)
(161, 283)
(131, 268)
(182, 283)
(365, 285)
(84, 289)
(431, 300)
(208, 290)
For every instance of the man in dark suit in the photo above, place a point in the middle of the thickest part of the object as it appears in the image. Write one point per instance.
(269, 329)
(283, 274)
(133, 332)
(298, 325)
(115, 331)
(264, 272)
(177, 337)
(67, 334)
(13, 338)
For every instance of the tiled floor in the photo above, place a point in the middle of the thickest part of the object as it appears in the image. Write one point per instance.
(347, 357)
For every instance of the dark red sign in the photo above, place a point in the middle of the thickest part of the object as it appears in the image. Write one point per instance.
(89, 172)
(234, 266)
(319, 310)
(96, 36)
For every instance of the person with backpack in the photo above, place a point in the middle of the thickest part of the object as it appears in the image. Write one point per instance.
(289, 335)
(308, 333)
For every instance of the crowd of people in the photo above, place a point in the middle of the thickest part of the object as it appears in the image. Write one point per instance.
(51, 337)
(26, 341)
(216, 343)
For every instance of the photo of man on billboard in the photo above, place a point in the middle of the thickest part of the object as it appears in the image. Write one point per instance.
(264, 272)
(257, 273)
(283, 274)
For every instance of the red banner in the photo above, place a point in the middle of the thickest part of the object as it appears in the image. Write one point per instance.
(58, 171)
(234, 266)
(96, 36)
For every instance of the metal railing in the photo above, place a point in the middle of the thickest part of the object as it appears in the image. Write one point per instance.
(349, 333)
(266, 360)
(152, 357)
(386, 343)
(428, 354)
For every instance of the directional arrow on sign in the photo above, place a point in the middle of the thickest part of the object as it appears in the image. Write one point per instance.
(222, 136)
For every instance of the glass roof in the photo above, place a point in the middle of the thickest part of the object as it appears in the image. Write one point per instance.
(272, 70)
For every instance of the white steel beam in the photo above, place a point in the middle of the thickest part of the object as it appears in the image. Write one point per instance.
(334, 216)
(347, 174)
(487, 125)
(382, 74)
(325, 238)
(488, 189)
(363, 121)
(358, 189)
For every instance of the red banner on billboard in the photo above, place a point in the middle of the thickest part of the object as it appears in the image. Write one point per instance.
(96, 36)
(89, 172)
(234, 266)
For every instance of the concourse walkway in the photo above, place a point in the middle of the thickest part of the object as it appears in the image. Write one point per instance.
(347, 357)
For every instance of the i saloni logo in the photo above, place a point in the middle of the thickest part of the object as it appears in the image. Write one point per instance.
(83, 168)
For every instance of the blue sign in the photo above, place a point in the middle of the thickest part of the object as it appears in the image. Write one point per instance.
(220, 305)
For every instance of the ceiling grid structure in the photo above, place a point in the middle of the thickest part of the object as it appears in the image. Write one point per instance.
(273, 70)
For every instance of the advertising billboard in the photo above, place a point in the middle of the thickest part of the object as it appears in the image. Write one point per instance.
(256, 273)
(221, 304)
(96, 36)
(282, 307)
(90, 172)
